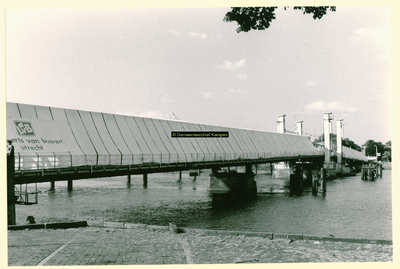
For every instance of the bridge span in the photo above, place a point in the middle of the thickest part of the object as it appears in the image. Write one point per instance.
(62, 144)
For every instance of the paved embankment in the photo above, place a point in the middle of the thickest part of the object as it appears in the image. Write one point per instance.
(147, 244)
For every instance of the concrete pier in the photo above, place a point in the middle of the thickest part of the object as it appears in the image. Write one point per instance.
(296, 180)
(237, 184)
(52, 185)
(144, 180)
(70, 184)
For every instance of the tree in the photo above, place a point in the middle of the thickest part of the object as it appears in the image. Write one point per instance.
(346, 142)
(260, 18)
(387, 155)
(371, 147)
(350, 144)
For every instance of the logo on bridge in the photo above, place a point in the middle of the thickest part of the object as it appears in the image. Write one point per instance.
(24, 128)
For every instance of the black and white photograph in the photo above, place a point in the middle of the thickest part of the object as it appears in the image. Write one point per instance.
(199, 134)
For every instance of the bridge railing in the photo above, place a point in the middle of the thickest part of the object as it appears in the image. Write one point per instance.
(33, 162)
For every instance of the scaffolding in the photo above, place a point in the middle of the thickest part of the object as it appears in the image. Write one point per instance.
(27, 195)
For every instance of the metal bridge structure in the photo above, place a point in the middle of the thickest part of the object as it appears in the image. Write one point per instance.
(54, 144)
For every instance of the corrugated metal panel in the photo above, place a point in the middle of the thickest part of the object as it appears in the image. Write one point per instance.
(130, 140)
(12, 110)
(116, 137)
(198, 153)
(212, 143)
(164, 132)
(224, 142)
(141, 126)
(353, 154)
(27, 111)
(147, 151)
(101, 129)
(180, 154)
(185, 143)
(79, 131)
(103, 155)
(208, 151)
(96, 138)
(43, 113)
(261, 143)
(78, 157)
(244, 148)
(164, 157)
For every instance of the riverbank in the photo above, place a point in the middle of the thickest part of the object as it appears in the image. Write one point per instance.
(141, 244)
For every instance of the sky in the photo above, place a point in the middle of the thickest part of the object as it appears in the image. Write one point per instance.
(188, 61)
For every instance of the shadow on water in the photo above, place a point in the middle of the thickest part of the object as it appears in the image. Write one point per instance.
(231, 200)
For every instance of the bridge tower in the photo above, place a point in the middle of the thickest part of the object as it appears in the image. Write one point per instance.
(339, 137)
(299, 129)
(327, 138)
(281, 124)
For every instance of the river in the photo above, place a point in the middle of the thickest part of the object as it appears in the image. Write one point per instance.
(351, 208)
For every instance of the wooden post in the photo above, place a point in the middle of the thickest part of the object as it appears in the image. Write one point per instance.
(52, 185)
(11, 198)
(379, 170)
(144, 180)
(180, 175)
(129, 179)
(70, 184)
(315, 182)
(323, 180)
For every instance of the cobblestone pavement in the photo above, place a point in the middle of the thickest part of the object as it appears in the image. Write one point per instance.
(114, 246)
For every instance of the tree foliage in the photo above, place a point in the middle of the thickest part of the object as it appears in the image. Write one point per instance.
(371, 147)
(260, 18)
(346, 142)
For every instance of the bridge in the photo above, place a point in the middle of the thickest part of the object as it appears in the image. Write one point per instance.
(54, 144)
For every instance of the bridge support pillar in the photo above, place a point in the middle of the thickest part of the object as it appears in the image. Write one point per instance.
(249, 169)
(144, 180)
(323, 181)
(307, 171)
(315, 182)
(296, 180)
(180, 175)
(52, 185)
(69, 184)
(238, 185)
(129, 179)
